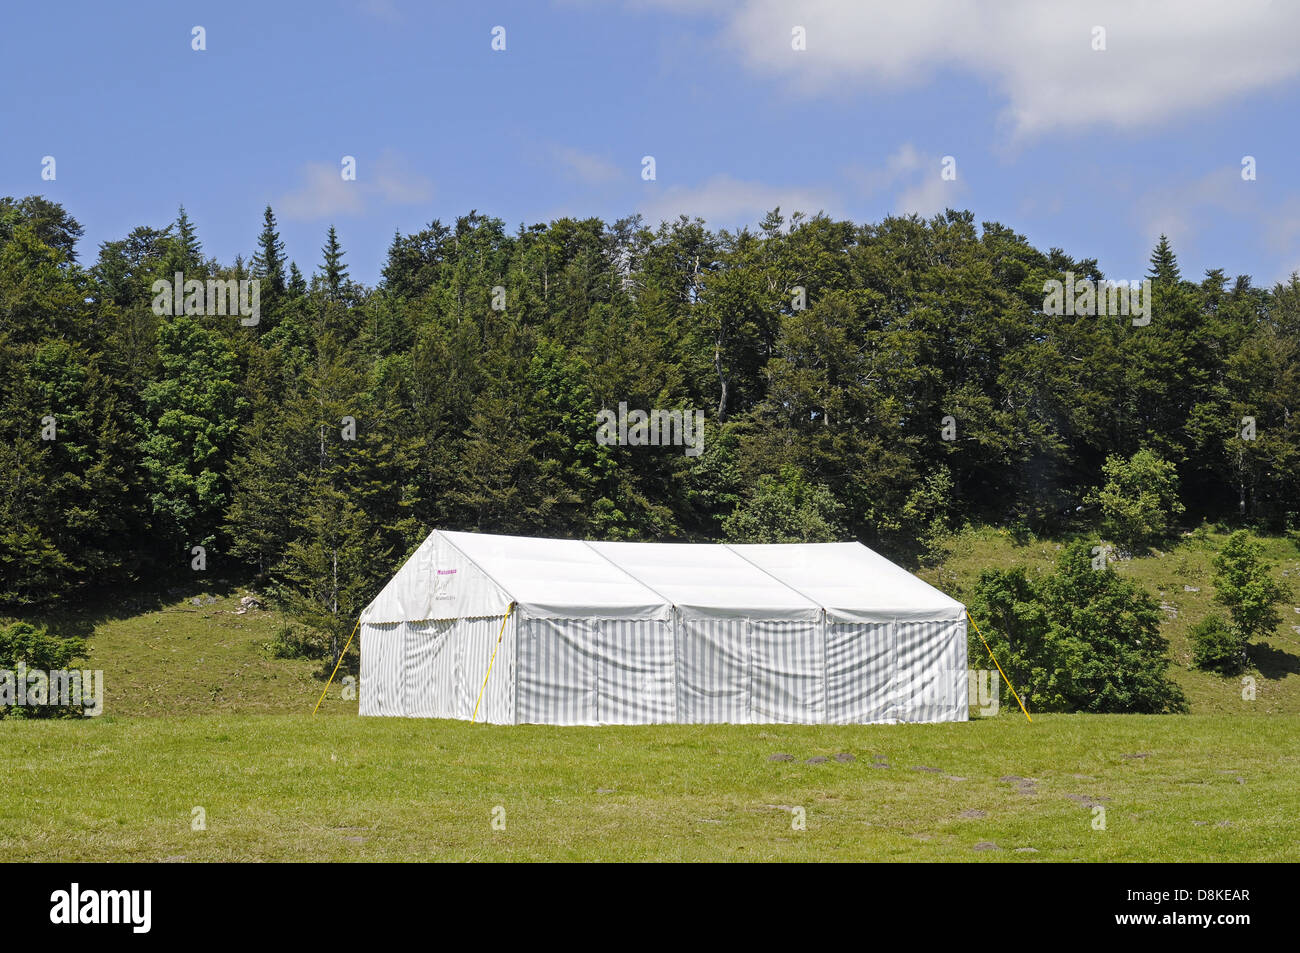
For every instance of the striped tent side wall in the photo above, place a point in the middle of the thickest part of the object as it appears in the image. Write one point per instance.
(476, 641)
(713, 670)
(859, 672)
(381, 669)
(429, 656)
(595, 671)
(931, 674)
(688, 669)
(787, 671)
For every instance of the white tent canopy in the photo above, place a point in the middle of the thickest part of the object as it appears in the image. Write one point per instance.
(637, 633)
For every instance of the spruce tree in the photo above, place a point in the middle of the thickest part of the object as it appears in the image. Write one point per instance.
(268, 263)
(187, 240)
(335, 272)
(1164, 264)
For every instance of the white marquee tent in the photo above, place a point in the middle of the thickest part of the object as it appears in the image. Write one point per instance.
(567, 632)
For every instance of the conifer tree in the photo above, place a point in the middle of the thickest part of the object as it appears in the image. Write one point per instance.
(334, 271)
(187, 239)
(268, 263)
(1164, 263)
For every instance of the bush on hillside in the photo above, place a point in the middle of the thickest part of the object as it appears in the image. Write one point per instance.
(1244, 584)
(786, 510)
(1216, 647)
(1079, 639)
(1139, 499)
(38, 651)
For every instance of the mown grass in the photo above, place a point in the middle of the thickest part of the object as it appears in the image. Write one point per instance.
(343, 788)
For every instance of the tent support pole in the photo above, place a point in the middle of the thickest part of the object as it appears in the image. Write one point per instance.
(492, 661)
(336, 668)
(995, 662)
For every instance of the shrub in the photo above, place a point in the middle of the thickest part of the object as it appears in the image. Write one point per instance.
(291, 642)
(1078, 639)
(1244, 584)
(38, 650)
(1216, 647)
(1138, 500)
(788, 510)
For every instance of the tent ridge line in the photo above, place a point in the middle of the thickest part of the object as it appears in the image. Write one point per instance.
(780, 582)
(645, 585)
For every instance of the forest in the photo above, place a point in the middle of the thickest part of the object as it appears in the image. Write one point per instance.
(883, 382)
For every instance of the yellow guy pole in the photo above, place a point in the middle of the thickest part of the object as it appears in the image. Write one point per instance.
(336, 667)
(995, 662)
(492, 661)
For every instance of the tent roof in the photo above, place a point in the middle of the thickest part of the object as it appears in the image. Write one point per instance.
(703, 576)
(565, 577)
(552, 572)
(850, 580)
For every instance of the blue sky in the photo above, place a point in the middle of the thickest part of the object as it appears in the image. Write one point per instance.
(1096, 151)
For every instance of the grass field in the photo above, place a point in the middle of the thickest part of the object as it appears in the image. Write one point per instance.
(201, 713)
(285, 787)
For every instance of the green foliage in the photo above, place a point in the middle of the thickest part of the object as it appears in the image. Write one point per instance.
(1216, 646)
(37, 650)
(293, 642)
(1244, 584)
(1139, 499)
(191, 414)
(786, 509)
(1077, 639)
(333, 271)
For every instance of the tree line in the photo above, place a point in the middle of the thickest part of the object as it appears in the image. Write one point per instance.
(884, 382)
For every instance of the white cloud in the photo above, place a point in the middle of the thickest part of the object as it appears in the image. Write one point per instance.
(1179, 209)
(1218, 200)
(396, 183)
(929, 197)
(325, 194)
(1164, 58)
(906, 161)
(587, 168)
(724, 202)
(917, 179)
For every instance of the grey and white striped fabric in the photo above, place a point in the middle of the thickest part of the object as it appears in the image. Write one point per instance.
(691, 669)
(930, 673)
(595, 671)
(860, 672)
(436, 669)
(382, 682)
(713, 670)
(429, 654)
(787, 671)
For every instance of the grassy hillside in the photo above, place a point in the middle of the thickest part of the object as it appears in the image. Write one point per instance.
(166, 656)
(1180, 579)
